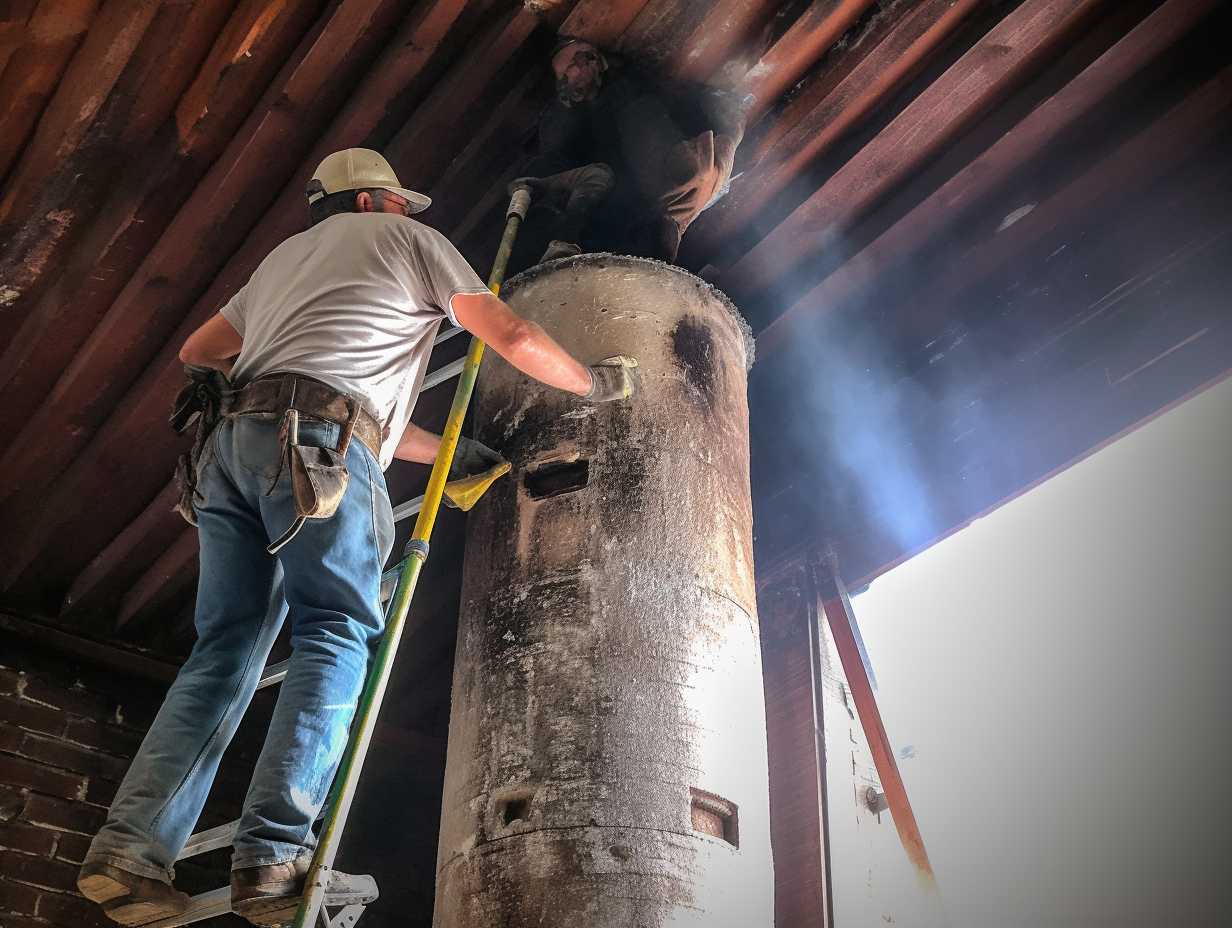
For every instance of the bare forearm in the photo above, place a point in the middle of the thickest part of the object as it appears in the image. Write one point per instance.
(521, 342)
(536, 354)
(417, 445)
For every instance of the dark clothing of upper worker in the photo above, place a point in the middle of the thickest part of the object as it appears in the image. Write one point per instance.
(667, 155)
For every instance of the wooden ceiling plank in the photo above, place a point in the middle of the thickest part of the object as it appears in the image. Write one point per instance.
(122, 551)
(1146, 157)
(1011, 51)
(127, 227)
(460, 90)
(845, 95)
(1136, 51)
(137, 415)
(602, 23)
(722, 41)
(211, 223)
(41, 49)
(95, 67)
(489, 150)
(804, 43)
(167, 574)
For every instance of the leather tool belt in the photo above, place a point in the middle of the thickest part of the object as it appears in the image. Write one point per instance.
(319, 476)
(273, 395)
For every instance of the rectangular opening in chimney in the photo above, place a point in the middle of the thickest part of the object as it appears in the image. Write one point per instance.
(557, 478)
(715, 816)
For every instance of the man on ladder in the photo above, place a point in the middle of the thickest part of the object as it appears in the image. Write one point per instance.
(333, 333)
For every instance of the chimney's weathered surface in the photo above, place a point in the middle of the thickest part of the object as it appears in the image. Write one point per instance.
(607, 747)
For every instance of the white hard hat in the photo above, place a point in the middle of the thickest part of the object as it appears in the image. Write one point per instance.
(356, 169)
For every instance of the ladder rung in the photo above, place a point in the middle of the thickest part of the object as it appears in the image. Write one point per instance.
(409, 508)
(274, 673)
(344, 889)
(441, 374)
(209, 840)
(447, 335)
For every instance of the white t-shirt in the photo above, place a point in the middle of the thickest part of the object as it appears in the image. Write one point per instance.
(355, 302)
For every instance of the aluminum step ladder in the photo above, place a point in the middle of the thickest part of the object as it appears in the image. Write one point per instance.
(324, 887)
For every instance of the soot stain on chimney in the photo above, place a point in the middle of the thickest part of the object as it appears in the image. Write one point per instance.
(693, 346)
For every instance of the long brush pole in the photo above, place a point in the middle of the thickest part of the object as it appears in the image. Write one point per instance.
(370, 700)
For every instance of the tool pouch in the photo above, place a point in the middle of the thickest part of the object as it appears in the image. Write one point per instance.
(319, 480)
(319, 476)
(200, 402)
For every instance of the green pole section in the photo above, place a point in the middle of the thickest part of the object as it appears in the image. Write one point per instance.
(370, 699)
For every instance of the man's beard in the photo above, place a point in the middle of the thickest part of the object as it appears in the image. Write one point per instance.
(573, 94)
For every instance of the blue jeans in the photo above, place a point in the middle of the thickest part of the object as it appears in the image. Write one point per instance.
(328, 581)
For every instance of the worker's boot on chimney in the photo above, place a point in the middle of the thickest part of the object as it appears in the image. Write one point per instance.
(128, 898)
(558, 248)
(269, 895)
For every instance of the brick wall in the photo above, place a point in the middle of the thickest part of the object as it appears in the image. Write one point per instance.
(63, 750)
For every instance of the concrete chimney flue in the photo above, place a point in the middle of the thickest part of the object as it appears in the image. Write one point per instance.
(607, 744)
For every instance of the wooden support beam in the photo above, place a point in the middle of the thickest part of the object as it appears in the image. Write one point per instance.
(37, 54)
(65, 301)
(1014, 49)
(29, 195)
(1022, 144)
(725, 41)
(118, 564)
(1130, 323)
(602, 23)
(1145, 158)
(804, 44)
(837, 609)
(791, 654)
(104, 654)
(462, 89)
(167, 576)
(844, 95)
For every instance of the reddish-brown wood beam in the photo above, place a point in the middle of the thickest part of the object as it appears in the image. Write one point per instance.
(843, 96)
(137, 418)
(487, 153)
(837, 608)
(803, 44)
(155, 528)
(95, 67)
(236, 71)
(724, 40)
(37, 54)
(1014, 49)
(1145, 158)
(1030, 138)
(461, 90)
(101, 653)
(14, 27)
(791, 673)
(600, 22)
(167, 576)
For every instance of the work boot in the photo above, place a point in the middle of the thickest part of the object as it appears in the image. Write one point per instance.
(560, 249)
(128, 898)
(269, 895)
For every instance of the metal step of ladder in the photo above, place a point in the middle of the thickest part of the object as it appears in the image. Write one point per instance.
(349, 894)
